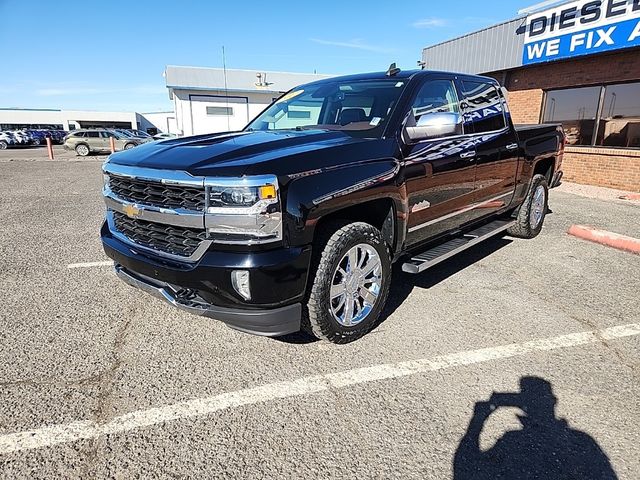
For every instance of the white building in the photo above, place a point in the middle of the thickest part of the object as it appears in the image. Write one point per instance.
(14, 118)
(159, 121)
(207, 102)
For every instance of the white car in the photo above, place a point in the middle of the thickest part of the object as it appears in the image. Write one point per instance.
(6, 140)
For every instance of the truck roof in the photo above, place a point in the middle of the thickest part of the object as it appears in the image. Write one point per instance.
(402, 75)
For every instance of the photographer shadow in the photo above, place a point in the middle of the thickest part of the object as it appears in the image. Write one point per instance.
(545, 448)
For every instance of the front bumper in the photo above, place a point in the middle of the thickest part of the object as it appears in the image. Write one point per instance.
(278, 281)
(272, 323)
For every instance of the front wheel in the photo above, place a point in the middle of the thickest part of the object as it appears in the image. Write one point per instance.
(129, 146)
(349, 283)
(533, 210)
(82, 150)
(3, 145)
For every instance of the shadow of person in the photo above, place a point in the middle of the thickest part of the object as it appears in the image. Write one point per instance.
(546, 448)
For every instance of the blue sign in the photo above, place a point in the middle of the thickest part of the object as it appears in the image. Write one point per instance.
(581, 28)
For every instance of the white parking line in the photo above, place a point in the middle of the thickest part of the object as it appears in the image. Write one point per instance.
(70, 432)
(106, 263)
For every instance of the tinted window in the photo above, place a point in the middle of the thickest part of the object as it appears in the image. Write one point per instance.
(484, 106)
(435, 96)
(576, 109)
(79, 134)
(620, 117)
(92, 134)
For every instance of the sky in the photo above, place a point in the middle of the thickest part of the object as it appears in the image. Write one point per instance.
(110, 55)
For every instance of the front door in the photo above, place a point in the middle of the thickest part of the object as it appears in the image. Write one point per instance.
(438, 172)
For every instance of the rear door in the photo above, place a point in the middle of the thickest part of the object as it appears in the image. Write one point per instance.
(92, 137)
(439, 172)
(496, 143)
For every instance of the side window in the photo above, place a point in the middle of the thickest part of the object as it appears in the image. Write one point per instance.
(106, 134)
(435, 96)
(484, 106)
(92, 134)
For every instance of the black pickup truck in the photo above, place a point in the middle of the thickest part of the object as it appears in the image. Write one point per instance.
(295, 221)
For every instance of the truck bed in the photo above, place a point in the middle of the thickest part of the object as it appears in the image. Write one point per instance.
(529, 131)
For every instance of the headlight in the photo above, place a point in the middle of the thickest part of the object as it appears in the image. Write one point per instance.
(245, 210)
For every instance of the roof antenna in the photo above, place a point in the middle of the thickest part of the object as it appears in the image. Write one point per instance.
(226, 91)
(393, 70)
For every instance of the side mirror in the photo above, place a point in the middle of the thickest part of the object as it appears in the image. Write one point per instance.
(435, 125)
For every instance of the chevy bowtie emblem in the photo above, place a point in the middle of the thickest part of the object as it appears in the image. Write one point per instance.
(131, 211)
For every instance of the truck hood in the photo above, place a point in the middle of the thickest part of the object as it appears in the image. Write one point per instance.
(236, 153)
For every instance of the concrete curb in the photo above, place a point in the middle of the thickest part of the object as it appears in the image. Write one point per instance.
(609, 239)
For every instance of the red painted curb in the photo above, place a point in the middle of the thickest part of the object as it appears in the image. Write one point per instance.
(610, 239)
(631, 196)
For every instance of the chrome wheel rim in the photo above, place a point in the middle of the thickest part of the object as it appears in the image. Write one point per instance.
(537, 207)
(355, 285)
(82, 150)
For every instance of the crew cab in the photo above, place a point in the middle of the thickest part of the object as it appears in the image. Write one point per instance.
(295, 221)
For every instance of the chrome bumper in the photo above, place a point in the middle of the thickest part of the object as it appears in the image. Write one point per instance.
(271, 323)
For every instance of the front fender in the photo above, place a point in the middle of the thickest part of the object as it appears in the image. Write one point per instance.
(315, 194)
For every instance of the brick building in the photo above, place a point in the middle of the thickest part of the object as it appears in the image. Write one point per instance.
(577, 63)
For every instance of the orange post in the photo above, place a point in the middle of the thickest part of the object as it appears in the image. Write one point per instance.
(49, 148)
(112, 142)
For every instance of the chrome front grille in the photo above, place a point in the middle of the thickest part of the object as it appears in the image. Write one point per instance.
(158, 194)
(181, 241)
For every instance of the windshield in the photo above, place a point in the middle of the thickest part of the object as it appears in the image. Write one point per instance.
(359, 106)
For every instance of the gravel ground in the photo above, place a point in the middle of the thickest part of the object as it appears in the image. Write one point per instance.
(78, 345)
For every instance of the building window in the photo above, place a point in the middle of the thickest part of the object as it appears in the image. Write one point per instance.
(612, 110)
(576, 109)
(619, 124)
(224, 111)
(299, 114)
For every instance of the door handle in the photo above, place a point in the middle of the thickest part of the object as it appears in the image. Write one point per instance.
(471, 154)
(512, 146)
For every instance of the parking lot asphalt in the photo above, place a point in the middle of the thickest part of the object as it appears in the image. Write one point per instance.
(98, 380)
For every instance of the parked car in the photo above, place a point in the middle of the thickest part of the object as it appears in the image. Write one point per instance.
(139, 134)
(37, 137)
(130, 134)
(57, 136)
(295, 222)
(7, 139)
(22, 138)
(164, 136)
(88, 141)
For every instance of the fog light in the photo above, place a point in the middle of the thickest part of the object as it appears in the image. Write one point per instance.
(240, 281)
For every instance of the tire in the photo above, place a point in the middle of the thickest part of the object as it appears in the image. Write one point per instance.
(533, 210)
(37, 142)
(322, 316)
(3, 145)
(129, 146)
(82, 150)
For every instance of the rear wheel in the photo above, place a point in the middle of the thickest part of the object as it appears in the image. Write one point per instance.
(533, 210)
(3, 145)
(349, 285)
(82, 150)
